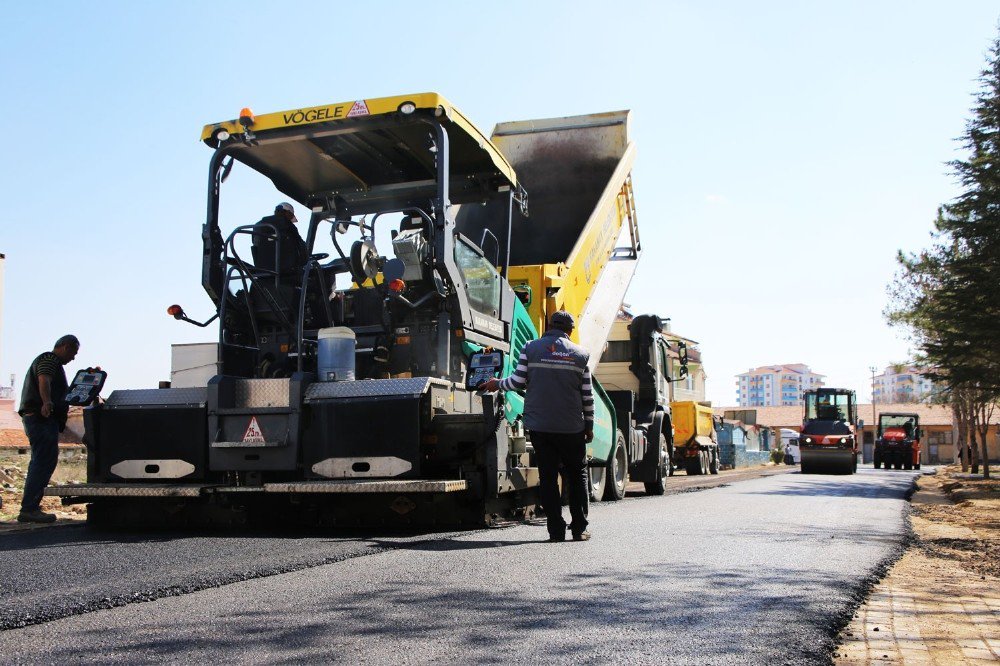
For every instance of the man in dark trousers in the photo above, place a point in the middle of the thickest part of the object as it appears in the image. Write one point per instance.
(293, 253)
(559, 413)
(43, 411)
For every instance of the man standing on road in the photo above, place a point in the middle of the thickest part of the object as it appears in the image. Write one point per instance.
(559, 413)
(44, 411)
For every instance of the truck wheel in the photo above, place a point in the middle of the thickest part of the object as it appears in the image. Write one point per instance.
(617, 471)
(692, 466)
(907, 466)
(659, 486)
(597, 479)
(917, 466)
(713, 466)
(878, 462)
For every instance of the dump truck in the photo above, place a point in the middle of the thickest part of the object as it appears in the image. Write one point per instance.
(578, 252)
(347, 387)
(636, 370)
(696, 448)
(897, 441)
(828, 443)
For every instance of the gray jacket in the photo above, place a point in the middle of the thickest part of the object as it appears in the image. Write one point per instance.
(559, 396)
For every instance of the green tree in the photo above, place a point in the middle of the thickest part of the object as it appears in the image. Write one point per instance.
(947, 295)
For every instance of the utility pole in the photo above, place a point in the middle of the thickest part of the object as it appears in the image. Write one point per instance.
(872, 369)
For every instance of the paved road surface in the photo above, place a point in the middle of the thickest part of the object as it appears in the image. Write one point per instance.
(755, 571)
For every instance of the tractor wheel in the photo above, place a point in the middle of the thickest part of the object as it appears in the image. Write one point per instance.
(597, 475)
(659, 486)
(713, 465)
(617, 471)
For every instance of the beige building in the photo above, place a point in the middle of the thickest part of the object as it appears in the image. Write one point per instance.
(901, 383)
(940, 433)
(614, 373)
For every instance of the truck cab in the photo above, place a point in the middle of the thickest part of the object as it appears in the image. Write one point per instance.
(897, 441)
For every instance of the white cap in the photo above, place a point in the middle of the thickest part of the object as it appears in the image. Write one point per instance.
(284, 205)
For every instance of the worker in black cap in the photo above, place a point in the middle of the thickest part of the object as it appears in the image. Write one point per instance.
(559, 414)
(277, 245)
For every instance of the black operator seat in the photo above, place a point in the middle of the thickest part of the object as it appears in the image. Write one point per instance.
(277, 275)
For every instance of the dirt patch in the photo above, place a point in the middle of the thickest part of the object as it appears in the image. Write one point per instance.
(974, 516)
(72, 468)
(940, 604)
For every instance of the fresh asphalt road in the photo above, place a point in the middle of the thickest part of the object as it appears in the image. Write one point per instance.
(759, 571)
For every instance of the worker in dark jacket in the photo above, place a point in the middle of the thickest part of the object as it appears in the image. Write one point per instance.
(276, 231)
(43, 412)
(559, 414)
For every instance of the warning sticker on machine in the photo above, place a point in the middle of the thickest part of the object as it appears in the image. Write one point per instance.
(359, 109)
(253, 435)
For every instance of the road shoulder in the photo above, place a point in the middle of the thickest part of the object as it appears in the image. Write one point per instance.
(940, 603)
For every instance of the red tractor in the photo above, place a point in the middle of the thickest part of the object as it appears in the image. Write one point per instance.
(897, 443)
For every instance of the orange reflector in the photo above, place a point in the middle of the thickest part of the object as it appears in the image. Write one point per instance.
(175, 310)
(284, 348)
(403, 340)
(397, 285)
(246, 117)
(459, 333)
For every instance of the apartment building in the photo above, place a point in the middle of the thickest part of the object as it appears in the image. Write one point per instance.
(776, 385)
(901, 383)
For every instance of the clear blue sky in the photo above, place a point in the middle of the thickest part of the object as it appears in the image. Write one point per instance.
(786, 151)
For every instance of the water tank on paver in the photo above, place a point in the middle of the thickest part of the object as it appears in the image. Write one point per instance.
(336, 354)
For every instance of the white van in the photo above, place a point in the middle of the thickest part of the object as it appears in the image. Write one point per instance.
(790, 442)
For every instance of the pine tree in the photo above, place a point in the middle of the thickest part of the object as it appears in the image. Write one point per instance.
(949, 295)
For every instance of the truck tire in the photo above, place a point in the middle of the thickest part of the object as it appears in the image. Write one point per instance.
(713, 465)
(704, 461)
(692, 466)
(917, 466)
(878, 461)
(659, 486)
(598, 476)
(617, 471)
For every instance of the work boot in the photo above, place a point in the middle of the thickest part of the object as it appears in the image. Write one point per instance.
(581, 536)
(35, 516)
